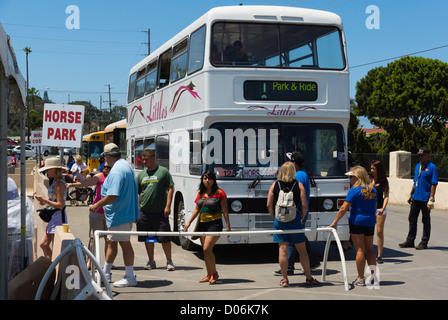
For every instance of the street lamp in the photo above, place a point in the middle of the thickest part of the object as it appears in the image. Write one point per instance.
(68, 95)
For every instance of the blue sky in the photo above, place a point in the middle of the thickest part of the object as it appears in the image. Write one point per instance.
(111, 39)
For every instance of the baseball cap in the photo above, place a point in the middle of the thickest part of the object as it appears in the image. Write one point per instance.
(298, 158)
(423, 150)
(110, 147)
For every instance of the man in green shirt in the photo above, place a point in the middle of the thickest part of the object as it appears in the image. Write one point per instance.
(155, 194)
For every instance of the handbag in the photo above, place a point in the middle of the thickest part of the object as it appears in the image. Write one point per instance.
(198, 221)
(46, 214)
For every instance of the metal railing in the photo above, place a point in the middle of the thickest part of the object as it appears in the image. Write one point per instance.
(332, 233)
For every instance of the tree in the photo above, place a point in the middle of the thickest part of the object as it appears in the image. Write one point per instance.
(409, 99)
(414, 88)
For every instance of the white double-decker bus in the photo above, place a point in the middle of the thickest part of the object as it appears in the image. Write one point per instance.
(235, 92)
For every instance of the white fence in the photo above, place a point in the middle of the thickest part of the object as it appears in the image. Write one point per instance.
(332, 233)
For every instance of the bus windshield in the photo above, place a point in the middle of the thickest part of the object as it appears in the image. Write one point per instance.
(276, 45)
(95, 149)
(236, 150)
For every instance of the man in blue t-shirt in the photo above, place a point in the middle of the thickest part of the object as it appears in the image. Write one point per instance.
(120, 204)
(421, 198)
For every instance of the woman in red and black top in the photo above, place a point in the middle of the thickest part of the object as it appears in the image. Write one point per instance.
(211, 204)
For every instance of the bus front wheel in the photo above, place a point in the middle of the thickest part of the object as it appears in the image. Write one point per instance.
(185, 242)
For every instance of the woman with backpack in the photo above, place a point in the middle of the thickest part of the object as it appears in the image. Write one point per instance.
(284, 199)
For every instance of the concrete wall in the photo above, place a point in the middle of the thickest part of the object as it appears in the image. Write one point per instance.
(399, 167)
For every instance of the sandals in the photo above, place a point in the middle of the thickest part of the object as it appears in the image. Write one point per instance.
(213, 278)
(284, 283)
(206, 278)
(311, 282)
(210, 278)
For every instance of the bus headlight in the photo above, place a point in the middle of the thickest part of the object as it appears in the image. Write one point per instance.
(236, 206)
(327, 204)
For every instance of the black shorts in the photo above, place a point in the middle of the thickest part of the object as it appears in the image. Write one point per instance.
(367, 231)
(215, 225)
(153, 222)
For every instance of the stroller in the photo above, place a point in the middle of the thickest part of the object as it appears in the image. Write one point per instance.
(78, 194)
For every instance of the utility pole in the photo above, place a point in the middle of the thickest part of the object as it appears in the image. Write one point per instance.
(101, 113)
(149, 40)
(110, 104)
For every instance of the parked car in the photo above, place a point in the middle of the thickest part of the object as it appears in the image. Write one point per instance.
(10, 148)
(29, 152)
(45, 151)
(70, 151)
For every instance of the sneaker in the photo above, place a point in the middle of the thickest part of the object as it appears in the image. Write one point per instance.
(406, 245)
(279, 272)
(421, 246)
(150, 265)
(169, 265)
(379, 260)
(360, 282)
(108, 279)
(126, 281)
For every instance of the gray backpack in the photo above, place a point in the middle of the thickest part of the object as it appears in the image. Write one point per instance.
(285, 208)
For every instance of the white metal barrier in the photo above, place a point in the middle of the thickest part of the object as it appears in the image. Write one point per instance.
(92, 287)
(331, 231)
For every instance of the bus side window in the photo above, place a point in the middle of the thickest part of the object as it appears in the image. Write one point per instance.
(151, 77)
(179, 62)
(195, 166)
(196, 51)
(131, 89)
(138, 149)
(164, 68)
(163, 151)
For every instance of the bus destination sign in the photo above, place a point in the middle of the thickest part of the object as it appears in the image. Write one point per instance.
(280, 90)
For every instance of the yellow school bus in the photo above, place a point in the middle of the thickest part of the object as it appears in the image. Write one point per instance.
(92, 148)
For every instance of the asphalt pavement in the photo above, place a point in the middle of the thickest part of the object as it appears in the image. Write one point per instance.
(246, 271)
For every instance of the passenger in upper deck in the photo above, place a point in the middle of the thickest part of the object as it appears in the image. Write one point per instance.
(235, 54)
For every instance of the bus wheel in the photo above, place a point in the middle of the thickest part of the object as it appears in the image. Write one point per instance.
(185, 242)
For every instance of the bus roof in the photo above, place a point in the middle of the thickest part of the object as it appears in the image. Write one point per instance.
(273, 14)
(87, 136)
(117, 124)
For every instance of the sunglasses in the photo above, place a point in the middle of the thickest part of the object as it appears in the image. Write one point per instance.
(107, 167)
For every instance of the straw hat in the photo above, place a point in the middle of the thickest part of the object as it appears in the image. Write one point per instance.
(53, 163)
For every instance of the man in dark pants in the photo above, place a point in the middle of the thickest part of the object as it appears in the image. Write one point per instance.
(422, 198)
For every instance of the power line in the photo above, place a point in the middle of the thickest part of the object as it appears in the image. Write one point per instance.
(337, 5)
(74, 40)
(63, 28)
(85, 53)
(405, 55)
(85, 92)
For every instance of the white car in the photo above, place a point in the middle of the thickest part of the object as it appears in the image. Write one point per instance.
(45, 151)
(29, 152)
(70, 151)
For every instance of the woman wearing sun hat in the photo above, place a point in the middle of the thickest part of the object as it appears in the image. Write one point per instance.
(57, 194)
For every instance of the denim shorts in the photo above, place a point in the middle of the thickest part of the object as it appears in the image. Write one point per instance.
(290, 237)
